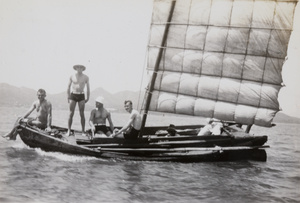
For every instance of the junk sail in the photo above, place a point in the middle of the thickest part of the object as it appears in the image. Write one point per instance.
(220, 59)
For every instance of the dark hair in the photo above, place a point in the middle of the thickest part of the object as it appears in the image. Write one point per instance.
(128, 101)
(171, 130)
(42, 91)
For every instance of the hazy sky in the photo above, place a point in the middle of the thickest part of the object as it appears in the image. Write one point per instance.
(41, 40)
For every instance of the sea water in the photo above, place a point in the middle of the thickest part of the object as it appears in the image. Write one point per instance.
(34, 176)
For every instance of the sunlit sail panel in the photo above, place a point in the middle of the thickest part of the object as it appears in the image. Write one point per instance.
(263, 14)
(199, 12)
(284, 14)
(229, 95)
(212, 64)
(185, 105)
(241, 14)
(188, 85)
(237, 40)
(216, 38)
(195, 37)
(278, 43)
(220, 12)
(273, 71)
(253, 68)
(233, 66)
(221, 58)
(192, 62)
(258, 42)
(173, 60)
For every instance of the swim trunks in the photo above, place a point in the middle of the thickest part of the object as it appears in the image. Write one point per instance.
(132, 134)
(77, 97)
(102, 128)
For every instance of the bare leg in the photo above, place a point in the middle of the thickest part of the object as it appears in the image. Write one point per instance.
(119, 135)
(70, 121)
(81, 105)
(13, 133)
(37, 123)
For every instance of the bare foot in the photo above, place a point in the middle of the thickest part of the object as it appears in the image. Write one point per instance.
(68, 133)
(7, 135)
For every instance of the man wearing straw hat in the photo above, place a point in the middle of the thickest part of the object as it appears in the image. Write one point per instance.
(76, 94)
(98, 119)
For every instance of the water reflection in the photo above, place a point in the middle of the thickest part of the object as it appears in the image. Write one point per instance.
(133, 182)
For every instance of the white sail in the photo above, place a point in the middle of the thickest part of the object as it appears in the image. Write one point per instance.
(222, 58)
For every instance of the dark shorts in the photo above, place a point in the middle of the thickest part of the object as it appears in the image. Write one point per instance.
(102, 128)
(132, 134)
(77, 97)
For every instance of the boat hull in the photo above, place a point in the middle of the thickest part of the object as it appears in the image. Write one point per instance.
(39, 139)
(180, 149)
(192, 156)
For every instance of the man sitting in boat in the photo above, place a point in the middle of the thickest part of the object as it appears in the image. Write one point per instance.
(42, 120)
(132, 128)
(213, 127)
(98, 119)
(43, 108)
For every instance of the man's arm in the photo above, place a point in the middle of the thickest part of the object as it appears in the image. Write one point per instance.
(128, 124)
(49, 118)
(110, 122)
(69, 89)
(30, 110)
(91, 121)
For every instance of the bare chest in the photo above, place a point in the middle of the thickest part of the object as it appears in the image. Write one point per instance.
(41, 107)
(78, 79)
(101, 114)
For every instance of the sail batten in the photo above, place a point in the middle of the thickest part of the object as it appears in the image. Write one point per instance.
(175, 97)
(229, 77)
(219, 26)
(221, 58)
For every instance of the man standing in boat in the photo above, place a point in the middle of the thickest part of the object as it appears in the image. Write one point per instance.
(43, 108)
(132, 128)
(98, 118)
(77, 82)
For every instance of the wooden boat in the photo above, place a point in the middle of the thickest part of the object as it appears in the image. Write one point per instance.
(214, 59)
(185, 148)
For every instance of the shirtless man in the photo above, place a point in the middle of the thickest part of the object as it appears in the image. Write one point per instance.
(98, 119)
(42, 120)
(78, 82)
(43, 108)
(132, 128)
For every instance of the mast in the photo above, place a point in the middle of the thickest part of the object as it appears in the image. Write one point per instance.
(149, 92)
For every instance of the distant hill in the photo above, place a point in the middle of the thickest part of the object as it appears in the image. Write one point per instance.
(23, 97)
(283, 118)
(14, 96)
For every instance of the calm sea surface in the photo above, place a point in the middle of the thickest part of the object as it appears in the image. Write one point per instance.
(31, 175)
